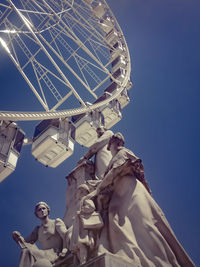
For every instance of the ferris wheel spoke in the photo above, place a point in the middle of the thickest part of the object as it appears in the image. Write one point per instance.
(17, 63)
(53, 39)
(5, 14)
(69, 67)
(5, 6)
(61, 101)
(88, 38)
(39, 70)
(47, 54)
(75, 38)
(93, 31)
(82, 61)
(101, 83)
(26, 78)
(79, 60)
(41, 89)
(95, 50)
(93, 75)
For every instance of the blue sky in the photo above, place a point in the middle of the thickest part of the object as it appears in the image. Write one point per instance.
(161, 124)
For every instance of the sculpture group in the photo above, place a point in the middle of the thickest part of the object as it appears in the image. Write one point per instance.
(109, 210)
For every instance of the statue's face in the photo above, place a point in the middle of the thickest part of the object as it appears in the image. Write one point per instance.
(42, 211)
(112, 146)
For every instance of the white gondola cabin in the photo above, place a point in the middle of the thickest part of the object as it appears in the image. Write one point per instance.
(123, 97)
(99, 10)
(118, 62)
(112, 37)
(106, 24)
(11, 141)
(53, 141)
(119, 74)
(111, 112)
(86, 125)
(117, 50)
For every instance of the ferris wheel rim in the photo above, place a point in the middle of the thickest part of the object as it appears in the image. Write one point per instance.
(35, 116)
(52, 114)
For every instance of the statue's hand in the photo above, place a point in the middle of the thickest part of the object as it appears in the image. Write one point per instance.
(17, 236)
(63, 252)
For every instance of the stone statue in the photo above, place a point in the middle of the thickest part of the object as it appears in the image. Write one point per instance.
(87, 223)
(99, 149)
(51, 236)
(135, 227)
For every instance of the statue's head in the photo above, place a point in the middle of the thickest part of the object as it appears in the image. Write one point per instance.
(41, 206)
(116, 139)
(100, 131)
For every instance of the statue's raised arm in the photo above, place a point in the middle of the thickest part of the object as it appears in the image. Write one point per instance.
(99, 150)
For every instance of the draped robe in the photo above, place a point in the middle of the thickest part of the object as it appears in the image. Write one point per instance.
(135, 227)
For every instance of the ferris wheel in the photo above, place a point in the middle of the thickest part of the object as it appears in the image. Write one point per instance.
(75, 60)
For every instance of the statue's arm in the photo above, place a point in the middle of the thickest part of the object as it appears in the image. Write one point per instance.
(107, 180)
(18, 238)
(60, 227)
(62, 230)
(100, 142)
(21, 241)
(33, 237)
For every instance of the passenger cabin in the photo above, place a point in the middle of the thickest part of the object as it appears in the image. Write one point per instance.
(119, 74)
(86, 125)
(99, 10)
(118, 62)
(11, 141)
(112, 37)
(111, 112)
(123, 97)
(53, 141)
(106, 24)
(117, 50)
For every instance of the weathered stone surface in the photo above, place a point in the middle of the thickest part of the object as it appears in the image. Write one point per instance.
(109, 260)
(134, 226)
(42, 263)
(77, 177)
(67, 261)
(104, 260)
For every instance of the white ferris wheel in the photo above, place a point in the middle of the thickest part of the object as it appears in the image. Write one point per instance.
(75, 60)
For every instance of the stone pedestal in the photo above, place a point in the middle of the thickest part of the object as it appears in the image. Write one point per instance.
(109, 260)
(81, 174)
(104, 260)
(77, 177)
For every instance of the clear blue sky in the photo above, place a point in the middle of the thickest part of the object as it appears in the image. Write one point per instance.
(161, 124)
